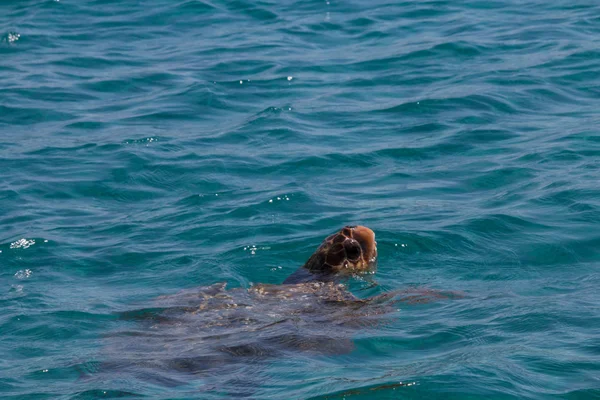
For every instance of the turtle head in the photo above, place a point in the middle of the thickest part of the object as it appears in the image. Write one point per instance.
(352, 249)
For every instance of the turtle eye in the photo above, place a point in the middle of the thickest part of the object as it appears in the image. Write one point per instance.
(353, 250)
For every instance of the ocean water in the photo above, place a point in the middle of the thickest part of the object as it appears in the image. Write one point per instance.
(149, 147)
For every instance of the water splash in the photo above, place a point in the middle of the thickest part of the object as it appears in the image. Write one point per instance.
(23, 274)
(11, 37)
(22, 243)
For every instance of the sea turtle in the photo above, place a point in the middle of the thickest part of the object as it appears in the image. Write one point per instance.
(215, 334)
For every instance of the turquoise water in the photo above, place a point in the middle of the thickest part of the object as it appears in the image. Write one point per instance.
(152, 146)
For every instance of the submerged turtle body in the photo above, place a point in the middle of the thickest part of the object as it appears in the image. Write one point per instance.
(214, 333)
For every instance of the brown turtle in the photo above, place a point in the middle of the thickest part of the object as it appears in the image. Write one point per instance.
(215, 333)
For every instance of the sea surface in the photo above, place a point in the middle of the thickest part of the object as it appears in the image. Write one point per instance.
(152, 147)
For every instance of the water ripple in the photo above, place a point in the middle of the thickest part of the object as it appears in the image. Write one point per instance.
(146, 144)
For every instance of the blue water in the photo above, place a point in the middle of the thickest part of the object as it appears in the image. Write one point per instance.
(152, 146)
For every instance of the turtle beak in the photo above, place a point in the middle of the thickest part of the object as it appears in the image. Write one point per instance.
(366, 238)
